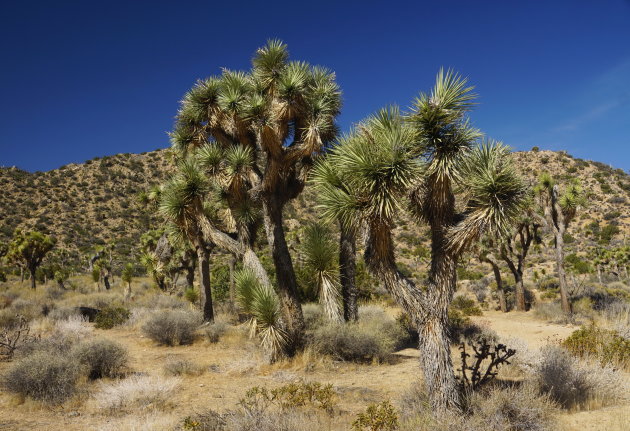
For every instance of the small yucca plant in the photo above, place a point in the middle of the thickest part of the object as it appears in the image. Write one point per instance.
(320, 255)
(263, 305)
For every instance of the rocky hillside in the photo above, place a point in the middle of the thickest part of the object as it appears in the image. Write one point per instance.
(95, 202)
(85, 204)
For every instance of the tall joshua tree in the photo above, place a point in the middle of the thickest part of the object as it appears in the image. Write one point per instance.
(514, 249)
(486, 255)
(420, 158)
(183, 205)
(320, 255)
(28, 249)
(326, 173)
(283, 112)
(559, 211)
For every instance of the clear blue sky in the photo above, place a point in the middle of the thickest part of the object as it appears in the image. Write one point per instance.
(80, 79)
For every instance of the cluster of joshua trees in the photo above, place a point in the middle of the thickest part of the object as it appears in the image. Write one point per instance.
(247, 143)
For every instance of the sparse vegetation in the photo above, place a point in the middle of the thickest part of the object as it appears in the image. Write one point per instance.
(172, 327)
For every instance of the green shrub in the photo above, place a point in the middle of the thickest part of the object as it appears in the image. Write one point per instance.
(377, 417)
(374, 337)
(45, 377)
(109, 317)
(466, 306)
(191, 295)
(101, 358)
(172, 327)
(605, 345)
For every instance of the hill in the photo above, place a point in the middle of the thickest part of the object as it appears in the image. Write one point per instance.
(95, 202)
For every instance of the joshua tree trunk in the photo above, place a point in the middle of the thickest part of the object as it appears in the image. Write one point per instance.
(205, 290)
(517, 272)
(599, 273)
(106, 279)
(128, 291)
(500, 291)
(562, 275)
(32, 270)
(287, 283)
(427, 307)
(347, 272)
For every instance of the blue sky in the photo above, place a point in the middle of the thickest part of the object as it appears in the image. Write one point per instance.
(90, 78)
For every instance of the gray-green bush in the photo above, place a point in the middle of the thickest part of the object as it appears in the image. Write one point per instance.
(101, 358)
(44, 377)
(172, 327)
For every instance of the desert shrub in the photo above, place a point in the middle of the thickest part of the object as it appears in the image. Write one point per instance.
(605, 345)
(377, 417)
(205, 421)
(9, 318)
(510, 408)
(191, 295)
(44, 377)
(109, 317)
(182, 367)
(618, 316)
(63, 313)
(165, 302)
(461, 328)
(136, 392)
(215, 331)
(101, 358)
(313, 315)
(291, 396)
(466, 306)
(571, 383)
(73, 328)
(172, 327)
(374, 337)
(552, 312)
(535, 149)
(550, 283)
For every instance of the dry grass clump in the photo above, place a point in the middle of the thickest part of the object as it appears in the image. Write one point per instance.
(215, 331)
(172, 327)
(50, 378)
(575, 384)
(136, 392)
(511, 408)
(374, 337)
(552, 312)
(154, 421)
(182, 367)
(101, 358)
(618, 316)
(73, 328)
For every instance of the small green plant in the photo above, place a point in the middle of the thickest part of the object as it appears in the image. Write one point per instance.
(466, 306)
(302, 394)
(377, 417)
(109, 317)
(191, 295)
(606, 345)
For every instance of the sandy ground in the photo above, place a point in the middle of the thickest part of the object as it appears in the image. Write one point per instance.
(233, 366)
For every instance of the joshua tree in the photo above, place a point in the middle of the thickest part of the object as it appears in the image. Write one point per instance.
(28, 249)
(513, 250)
(326, 173)
(486, 256)
(320, 254)
(421, 158)
(183, 205)
(559, 211)
(127, 277)
(282, 113)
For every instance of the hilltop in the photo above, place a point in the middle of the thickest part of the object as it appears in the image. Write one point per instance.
(95, 202)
